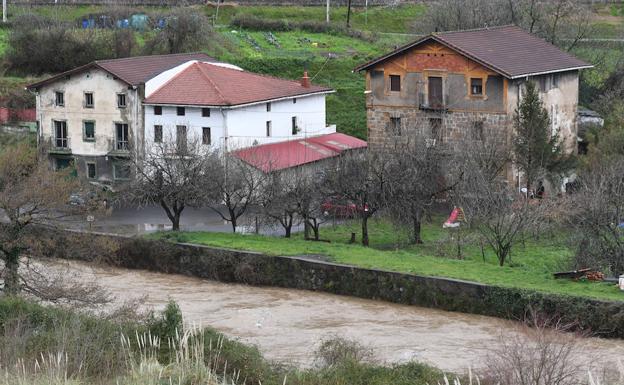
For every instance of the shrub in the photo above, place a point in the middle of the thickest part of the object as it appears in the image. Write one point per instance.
(338, 350)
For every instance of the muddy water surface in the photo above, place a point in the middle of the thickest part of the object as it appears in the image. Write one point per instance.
(287, 325)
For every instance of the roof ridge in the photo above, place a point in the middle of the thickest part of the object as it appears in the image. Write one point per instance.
(207, 76)
(170, 80)
(474, 29)
(145, 56)
(265, 75)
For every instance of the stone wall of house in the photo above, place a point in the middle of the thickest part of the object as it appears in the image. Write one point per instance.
(447, 127)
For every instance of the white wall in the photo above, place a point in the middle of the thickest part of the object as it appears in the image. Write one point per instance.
(244, 126)
(192, 119)
(105, 111)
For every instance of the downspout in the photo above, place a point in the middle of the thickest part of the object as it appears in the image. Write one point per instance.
(225, 131)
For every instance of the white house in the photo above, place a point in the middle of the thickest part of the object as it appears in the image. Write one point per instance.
(228, 108)
(93, 115)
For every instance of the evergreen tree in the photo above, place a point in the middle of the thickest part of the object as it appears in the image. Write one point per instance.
(537, 151)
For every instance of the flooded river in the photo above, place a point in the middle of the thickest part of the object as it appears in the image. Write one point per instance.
(287, 325)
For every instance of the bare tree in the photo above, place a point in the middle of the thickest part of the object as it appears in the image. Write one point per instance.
(170, 175)
(33, 197)
(540, 352)
(185, 30)
(492, 206)
(415, 177)
(309, 193)
(561, 22)
(597, 211)
(360, 178)
(233, 187)
(278, 200)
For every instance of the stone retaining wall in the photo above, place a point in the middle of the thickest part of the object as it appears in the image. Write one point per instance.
(604, 318)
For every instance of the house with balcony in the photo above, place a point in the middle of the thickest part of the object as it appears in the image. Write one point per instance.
(99, 116)
(450, 86)
(92, 116)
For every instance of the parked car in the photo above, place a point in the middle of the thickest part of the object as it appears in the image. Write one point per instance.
(341, 207)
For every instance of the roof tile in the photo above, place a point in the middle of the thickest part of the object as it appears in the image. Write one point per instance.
(205, 84)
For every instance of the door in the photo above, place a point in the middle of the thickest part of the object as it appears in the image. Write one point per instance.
(436, 100)
(122, 136)
(60, 134)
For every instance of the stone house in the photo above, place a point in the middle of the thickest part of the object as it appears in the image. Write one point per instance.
(451, 86)
(93, 115)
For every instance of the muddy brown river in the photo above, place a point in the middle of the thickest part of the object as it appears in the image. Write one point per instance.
(287, 324)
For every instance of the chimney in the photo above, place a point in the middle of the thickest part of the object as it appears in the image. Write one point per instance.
(305, 80)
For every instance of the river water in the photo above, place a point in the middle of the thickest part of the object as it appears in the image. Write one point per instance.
(287, 325)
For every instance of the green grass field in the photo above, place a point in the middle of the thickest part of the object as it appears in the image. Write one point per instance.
(531, 265)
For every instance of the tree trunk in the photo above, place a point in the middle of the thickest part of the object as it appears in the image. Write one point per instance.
(365, 230)
(11, 273)
(306, 228)
(176, 222)
(416, 236)
(349, 14)
(287, 230)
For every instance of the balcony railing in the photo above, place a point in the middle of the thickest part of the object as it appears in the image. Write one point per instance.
(59, 145)
(119, 148)
(425, 104)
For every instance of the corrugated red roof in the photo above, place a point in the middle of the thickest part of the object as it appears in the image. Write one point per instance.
(133, 70)
(205, 84)
(282, 155)
(508, 50)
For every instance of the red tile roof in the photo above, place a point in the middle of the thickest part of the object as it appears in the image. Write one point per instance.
(293, 153)
(132, 70)
(205, 84)
(508, 50)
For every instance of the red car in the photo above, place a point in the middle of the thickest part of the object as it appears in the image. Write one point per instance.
(341, 208)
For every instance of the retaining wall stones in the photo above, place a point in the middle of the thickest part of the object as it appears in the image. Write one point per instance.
(604, 318)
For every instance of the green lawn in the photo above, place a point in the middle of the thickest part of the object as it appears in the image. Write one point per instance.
(531, 265)
(397, 19)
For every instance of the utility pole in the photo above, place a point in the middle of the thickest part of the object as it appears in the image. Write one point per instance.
(326, 13)
(4, 11)
(349, 14)
(366, 13)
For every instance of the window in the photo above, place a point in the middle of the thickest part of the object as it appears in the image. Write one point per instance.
(181, 111)
(436, 129)
(206, 135)
(555, 80)
(158, 134)
(395, 126)
(294, 100)
(62, 163)
(88, 99)
(268, 107)
(121, 131)
(121, 100)
(181, 140)
(60, 134)
(395, 83)
(157, 110)
(88, 132)
(91, 170)
(295, 129)
(477, 130)
(476, 86)
(121, 171)
(206, 112)
(268, 128)
(59, 98)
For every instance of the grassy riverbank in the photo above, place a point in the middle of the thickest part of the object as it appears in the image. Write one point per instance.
(531, 266)
(73, 348)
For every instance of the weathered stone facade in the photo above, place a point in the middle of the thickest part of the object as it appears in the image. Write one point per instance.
(433, 93)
